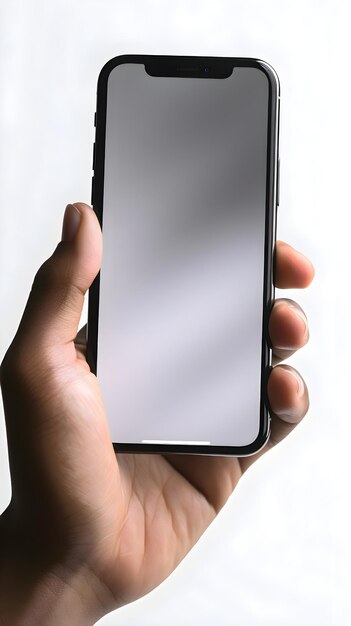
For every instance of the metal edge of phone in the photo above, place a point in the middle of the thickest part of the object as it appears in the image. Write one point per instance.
(272, 200)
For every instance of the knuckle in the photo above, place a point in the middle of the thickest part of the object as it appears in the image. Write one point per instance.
(11, 369)
(55, 270)
(46, 275)
(23, 370)
(55, 275)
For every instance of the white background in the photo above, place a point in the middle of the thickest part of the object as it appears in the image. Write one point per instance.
(280, 551)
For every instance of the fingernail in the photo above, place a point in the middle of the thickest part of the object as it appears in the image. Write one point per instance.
(302, 317)
(300, 387)
(293, 412)
(71, 221)
(298, 312)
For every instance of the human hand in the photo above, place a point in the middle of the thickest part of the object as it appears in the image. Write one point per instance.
(87, 530)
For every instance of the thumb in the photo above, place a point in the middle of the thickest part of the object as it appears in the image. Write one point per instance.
(55, 303)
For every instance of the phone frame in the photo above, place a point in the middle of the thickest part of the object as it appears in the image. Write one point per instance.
(168, 65)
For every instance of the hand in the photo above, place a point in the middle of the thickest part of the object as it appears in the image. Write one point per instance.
(87, 531)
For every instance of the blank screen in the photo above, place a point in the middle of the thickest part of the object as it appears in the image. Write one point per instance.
(181, 283)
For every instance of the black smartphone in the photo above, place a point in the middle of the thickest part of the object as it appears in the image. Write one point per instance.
(185, 187)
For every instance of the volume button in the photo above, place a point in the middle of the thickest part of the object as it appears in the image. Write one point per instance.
(278, 181)
(92, 191)
(94, 155)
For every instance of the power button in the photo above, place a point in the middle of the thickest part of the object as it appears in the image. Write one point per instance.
(278, 181)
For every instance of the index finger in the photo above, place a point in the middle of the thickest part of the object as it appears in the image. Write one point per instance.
(292, 268)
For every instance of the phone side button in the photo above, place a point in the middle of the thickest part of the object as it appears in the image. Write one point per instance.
(92, 191)
(95, 119)
(278, 181)
(94, 155)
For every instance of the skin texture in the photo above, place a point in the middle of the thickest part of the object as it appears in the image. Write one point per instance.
(87, 531)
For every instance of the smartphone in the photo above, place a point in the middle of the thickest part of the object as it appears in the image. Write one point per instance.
(185, 187)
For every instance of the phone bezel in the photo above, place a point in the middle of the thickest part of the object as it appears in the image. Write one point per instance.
(167, 61)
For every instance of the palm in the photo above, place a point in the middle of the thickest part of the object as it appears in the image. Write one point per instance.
(140, 514)
(166, 514)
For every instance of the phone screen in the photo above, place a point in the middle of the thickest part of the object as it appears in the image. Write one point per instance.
(179, 347)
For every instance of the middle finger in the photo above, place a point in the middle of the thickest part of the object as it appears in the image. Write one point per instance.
(288, 328)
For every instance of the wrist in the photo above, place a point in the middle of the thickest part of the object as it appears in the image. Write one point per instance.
(36, 590)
